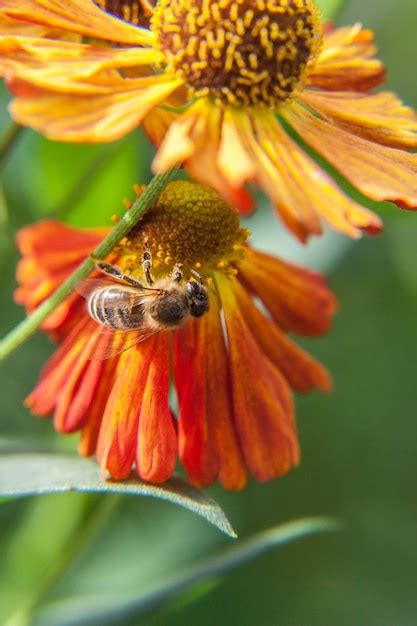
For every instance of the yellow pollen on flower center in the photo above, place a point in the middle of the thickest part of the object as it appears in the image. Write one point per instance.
(136, 12)
(189, 224)
(242, 52)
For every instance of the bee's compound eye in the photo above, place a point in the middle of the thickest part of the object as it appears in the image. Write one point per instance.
(199, 302)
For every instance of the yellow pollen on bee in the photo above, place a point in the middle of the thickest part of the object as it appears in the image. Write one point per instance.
(241, 52)
(188, 224)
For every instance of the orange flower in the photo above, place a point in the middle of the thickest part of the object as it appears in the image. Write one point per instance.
(233, 368)
(218, 84)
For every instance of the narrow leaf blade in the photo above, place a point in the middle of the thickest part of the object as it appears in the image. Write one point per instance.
(96, 609)
(43, 473)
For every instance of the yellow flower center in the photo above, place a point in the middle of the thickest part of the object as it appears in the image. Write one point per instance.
(189, 224)
(136, 12)
(242, 52)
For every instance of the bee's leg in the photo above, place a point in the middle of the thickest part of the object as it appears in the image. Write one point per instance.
(147, 264)
(197, 276)
(176, 273)
(115, 272)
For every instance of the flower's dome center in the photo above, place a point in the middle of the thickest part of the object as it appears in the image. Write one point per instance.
(136, 12)
(188, 224)
(242, 52)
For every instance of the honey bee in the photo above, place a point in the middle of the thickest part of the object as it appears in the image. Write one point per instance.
(129, 312)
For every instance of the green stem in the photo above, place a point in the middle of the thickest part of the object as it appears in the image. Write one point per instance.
(8, 141)
(27, 327)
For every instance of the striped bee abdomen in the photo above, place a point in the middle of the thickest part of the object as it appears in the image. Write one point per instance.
(116, 307)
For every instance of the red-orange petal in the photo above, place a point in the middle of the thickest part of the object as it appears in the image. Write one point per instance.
(298, 299)
(207, 436)
(116, 446)
(302, 372)
(157, 438)
(262, 402)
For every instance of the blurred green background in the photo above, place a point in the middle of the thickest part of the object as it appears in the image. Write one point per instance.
(359, 444)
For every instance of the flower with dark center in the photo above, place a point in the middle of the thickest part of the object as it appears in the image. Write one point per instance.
(233, 367)
(218, 85)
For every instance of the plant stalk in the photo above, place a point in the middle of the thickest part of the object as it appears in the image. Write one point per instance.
(28, 326)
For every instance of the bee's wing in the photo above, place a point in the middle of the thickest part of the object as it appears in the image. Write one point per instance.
(86, 287)
(117, 301)
(113, 342)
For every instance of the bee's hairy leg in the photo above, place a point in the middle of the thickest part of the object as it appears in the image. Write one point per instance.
(197, 276)
(147, 264)
(176, 273)
(115, 272)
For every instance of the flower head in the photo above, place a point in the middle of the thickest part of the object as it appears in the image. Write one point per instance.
(232, 368)
(216, 85)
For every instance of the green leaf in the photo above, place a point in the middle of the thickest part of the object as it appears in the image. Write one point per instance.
(102, 610)
(36, 474)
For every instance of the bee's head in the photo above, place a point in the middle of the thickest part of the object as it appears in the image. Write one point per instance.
(197, 298)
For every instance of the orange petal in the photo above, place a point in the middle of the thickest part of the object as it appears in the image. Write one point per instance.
(77, 394)
(194, 138)
(262, 402)
(195, 430)
(30, 63)
(44, 267)
(207, 438)
(157, 123)
(380, 117)
(56, 372)
(116, 447)
(9, 26)
(86, 119)
(301, 190)
(233, 160)
(302, 372)
(379, 172)
(157, 439)
(298, 299)
(345, 61)
(76, 16)
(91, 427)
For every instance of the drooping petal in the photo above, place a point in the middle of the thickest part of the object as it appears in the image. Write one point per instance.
(78, 394)
(90, 429)
(157, 440)
(302, 372)
(298, 299)
(195, 138)
(207, 436)
(9, 26)
(195, 431)
(44, 267)
(379, 172)
(89, 119)
(262, 402)
(57, 370)
(116, 446)
(379, 117)
(30, 63)
(76, 16)
(345, 61)
(301, 190)
(233, 160)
